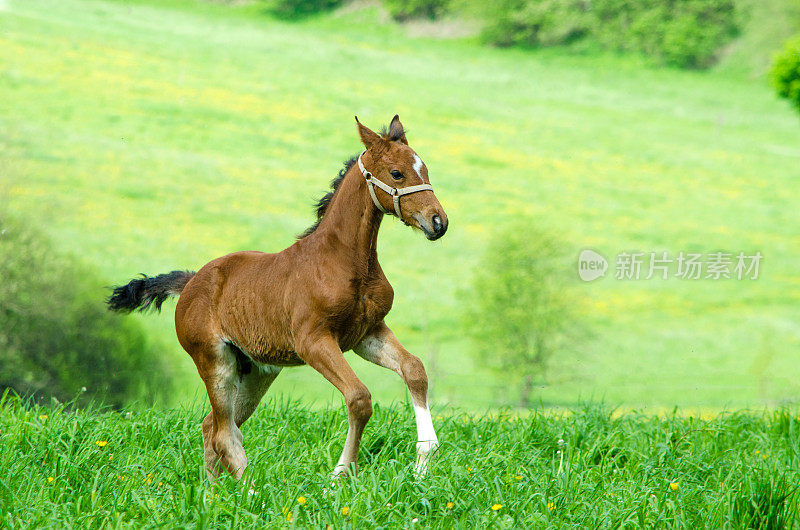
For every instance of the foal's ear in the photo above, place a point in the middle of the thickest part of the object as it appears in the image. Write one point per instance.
(396, 131)
(368, 137)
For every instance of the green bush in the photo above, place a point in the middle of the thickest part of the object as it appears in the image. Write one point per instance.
(408, 9)
(685, 33)
(56, 337)
(536, 22)
(520, 310)
(785, 73)
(301, 8)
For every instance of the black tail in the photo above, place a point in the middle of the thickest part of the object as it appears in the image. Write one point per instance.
(142, 293)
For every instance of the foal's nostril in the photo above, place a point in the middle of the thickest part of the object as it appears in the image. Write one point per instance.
(437, 224)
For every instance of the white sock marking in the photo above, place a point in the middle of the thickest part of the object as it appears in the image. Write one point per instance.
(426, 439)
(425, 431)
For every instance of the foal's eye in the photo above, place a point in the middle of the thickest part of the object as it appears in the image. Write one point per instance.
(396, 174)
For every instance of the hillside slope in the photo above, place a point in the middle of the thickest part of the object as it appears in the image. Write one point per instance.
(151, 136)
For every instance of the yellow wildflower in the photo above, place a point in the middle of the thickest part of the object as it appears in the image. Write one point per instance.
(289, 517)
(450, 505)
(518, 477)
(550, 505)
(43, 417)
(345, 510)
(301, 500)
(50, 479)
(496, 507)
(101, 443)
(673, 486)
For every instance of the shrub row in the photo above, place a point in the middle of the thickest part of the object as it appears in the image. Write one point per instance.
(299, 8)
(685, 33)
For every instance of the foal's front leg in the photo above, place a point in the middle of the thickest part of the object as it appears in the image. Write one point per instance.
(323, 354)
(381, 347)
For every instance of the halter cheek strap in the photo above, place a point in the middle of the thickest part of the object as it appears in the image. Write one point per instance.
(396, 193)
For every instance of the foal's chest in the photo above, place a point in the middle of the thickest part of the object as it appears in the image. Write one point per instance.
(364, 308)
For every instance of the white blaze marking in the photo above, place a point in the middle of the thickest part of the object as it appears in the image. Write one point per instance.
(418, 167)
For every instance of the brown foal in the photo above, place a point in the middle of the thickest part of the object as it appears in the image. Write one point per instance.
(245, 316)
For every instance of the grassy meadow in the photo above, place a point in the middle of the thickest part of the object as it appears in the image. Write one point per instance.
(139, 468)
(149, 136)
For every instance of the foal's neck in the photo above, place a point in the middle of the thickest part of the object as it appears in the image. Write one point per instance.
(353, 220)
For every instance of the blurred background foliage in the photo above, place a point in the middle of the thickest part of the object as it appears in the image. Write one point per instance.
(682, 33)
(56, 338)
(194, 128)
(520, 309)
(785, 73)
(292, 9)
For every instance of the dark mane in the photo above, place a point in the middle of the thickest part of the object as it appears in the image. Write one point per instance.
(324, 202)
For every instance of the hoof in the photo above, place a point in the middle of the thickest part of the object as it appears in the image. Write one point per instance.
(425, 451)
(230, 455)
(343, 472)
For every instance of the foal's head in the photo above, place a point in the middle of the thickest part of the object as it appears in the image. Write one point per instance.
(389, 159)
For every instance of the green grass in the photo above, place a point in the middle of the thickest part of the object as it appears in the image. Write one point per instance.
(150, 136)
(587, 468)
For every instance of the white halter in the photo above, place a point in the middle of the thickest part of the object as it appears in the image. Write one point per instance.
(396, 193)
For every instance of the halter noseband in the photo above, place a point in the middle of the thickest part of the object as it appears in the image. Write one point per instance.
(396, 193)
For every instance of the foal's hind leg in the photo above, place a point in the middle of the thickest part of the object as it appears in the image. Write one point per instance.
(252, 388)
(252, 382)
(222, 438)
(382, 348)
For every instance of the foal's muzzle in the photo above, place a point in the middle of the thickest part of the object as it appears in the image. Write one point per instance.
(437, 227)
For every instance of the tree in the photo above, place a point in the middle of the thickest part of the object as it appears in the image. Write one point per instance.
(520, 313)
(785, 73)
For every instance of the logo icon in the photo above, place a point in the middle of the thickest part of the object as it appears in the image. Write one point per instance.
(591, 265)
